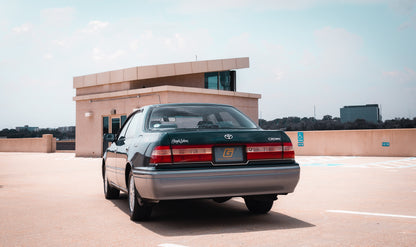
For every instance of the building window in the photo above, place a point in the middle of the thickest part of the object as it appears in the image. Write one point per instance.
(105, 125)
(224, 80)
(115, 125)
(211, 80)
(123, 119)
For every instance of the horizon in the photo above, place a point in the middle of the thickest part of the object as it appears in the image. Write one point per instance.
(307, 58)
(269, 120)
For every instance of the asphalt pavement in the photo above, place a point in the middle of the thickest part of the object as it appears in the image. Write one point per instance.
(57, 200)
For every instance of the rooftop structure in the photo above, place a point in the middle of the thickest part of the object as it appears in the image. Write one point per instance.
(104, 100)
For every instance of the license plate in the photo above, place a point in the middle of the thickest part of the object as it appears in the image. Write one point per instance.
(228, 155)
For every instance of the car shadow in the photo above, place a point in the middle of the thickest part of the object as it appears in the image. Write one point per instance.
(201, 217)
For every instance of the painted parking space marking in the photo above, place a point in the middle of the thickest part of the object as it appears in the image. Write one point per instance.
(371, 214)
(171, 245)
(335, 161)
(401, 163)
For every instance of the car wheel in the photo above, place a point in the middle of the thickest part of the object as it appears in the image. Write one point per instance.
(258, 206)
(139, 209)
(109, 191)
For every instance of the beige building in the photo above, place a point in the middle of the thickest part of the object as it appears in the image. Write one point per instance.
(104, 100)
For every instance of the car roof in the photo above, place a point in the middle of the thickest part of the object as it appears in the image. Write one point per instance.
(189, 104)
(145, 108)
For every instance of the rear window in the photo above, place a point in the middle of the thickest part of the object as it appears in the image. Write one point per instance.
(198, 117)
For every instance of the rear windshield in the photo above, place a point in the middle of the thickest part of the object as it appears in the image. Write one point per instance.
(198, 117)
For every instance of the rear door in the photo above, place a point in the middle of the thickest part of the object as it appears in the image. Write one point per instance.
(131, 139)
(120, 147)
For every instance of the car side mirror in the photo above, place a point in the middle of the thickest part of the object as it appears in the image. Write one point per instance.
(109, 137)
(120, 141)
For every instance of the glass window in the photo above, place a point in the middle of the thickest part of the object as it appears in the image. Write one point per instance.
(123, 119)
(105, 125)
(125, 128)
(211, 80)
(135, 125)
(225, 81)
(218, 80)
(198, 117)
(115, 125)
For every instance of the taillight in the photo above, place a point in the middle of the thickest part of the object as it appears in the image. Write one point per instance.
(161, 154)
(203, 153)
(262, 151)
(266, 151)
(288, 151)
(192, 153)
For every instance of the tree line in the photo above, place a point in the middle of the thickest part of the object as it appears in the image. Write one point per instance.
(60, 135)
(286, 123)
(330, 123)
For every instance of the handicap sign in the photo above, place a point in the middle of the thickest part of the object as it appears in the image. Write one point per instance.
(300, 144)
(385, 144)
(300, 137)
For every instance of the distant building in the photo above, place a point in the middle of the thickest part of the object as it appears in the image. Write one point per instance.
(369, 112)
(67, 129)
(26, 127)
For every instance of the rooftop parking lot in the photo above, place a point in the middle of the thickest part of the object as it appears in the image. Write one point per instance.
(57, 200)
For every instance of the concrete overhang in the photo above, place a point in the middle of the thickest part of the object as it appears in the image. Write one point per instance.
(157, 71)
(152, 90)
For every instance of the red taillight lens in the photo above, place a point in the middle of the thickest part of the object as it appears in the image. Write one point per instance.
(192, 153)
(161, 154)
(203, 153)
(262, 151)
(288, 152)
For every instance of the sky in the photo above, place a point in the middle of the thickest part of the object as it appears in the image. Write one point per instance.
(304, 54)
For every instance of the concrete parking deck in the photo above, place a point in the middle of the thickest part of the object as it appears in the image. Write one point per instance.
(57, 200)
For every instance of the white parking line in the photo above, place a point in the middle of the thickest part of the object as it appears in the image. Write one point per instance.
(371, 214)
(327, 161)
(171, 245)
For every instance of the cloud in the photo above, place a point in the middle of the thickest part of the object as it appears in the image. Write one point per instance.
(410, 23)
(407, 75)
(61, 43)
(337, 38)
(339, 53)
(403, 6)
(26, 27)
(192, 6)
(100, 55)
(58, 15)
(407, 8)
(95, 26)
(47, 56)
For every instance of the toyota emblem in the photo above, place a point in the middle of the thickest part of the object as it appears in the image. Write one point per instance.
(228, 136)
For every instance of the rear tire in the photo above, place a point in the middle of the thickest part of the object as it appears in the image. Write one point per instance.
(109, 191)
(258, 206)
(139, 209)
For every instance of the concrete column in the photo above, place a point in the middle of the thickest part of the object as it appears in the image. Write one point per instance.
(48, 142)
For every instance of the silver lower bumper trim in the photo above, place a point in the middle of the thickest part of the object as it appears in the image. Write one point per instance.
(215, 182)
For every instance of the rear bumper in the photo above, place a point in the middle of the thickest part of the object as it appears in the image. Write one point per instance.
(215, 182)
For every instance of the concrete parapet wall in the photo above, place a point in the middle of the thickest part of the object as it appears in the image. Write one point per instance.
(46, 144)
(384, 142)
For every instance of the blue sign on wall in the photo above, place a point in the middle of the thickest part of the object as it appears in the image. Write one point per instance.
(300, 137)
(385, 144)
(300, 144)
